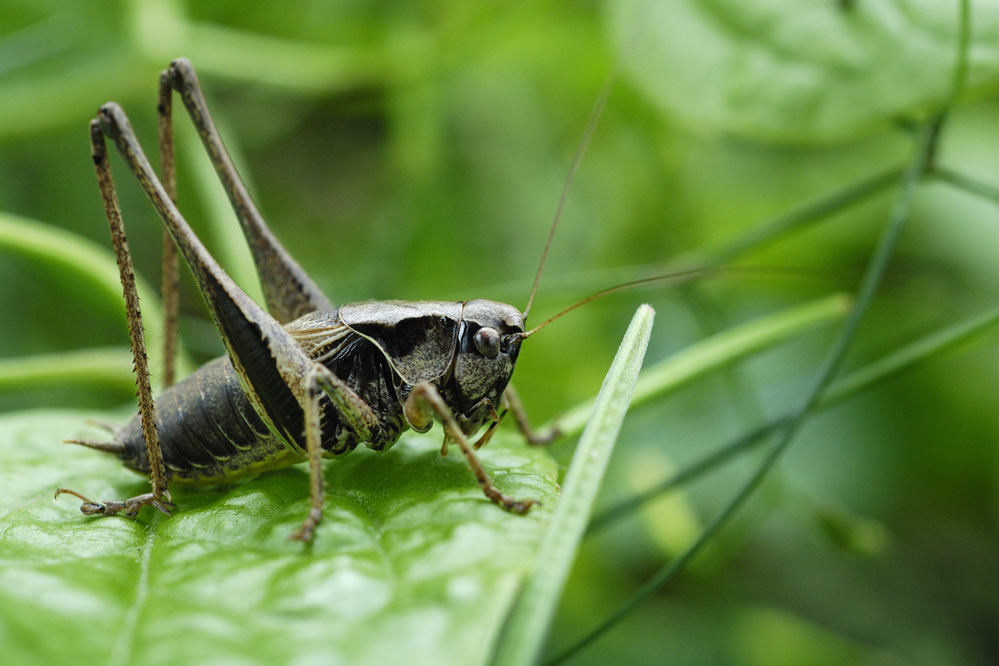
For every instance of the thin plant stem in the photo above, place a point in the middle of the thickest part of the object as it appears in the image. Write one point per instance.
(960, 74)
(966, 183)
(868, 287)
(798, 218)
(857, 381)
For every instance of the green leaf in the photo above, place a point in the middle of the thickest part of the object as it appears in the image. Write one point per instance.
(525, 631)
(793, 71)
(410, 561)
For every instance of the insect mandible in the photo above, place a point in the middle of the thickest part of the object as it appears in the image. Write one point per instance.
(304, 379)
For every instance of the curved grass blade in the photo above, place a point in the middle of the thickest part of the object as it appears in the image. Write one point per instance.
(934, 344)
(869, 284)
(226, 238)
(69, 253)
(305, 67)
(522, 638)
(110, 366)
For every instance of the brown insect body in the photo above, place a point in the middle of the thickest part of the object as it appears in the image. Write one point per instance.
(301, 379)
(212, 430)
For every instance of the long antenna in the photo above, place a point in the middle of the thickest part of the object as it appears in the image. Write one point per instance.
(679, 277)
(591, 126)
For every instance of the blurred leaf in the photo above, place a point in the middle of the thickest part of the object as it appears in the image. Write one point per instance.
(770, 637)
(410, 551)
(854, 534)
(804, 72)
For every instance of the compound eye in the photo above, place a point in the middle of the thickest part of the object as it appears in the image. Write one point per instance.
(487, 341)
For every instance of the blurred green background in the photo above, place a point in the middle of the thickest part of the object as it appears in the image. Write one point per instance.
(418, 150)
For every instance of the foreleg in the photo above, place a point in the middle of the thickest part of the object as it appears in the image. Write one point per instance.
(424, 400)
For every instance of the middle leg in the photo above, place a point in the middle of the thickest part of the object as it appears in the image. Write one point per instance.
(355, 412)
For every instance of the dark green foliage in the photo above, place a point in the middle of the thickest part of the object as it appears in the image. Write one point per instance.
(416, 151)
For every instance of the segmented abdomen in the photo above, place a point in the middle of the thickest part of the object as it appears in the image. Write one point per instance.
(209, 431)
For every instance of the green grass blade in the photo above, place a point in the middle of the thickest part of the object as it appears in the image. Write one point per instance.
(718, 351)
(934, 344)
(868, 287)
(111, 366)
(960, 75)
(223, 233)
(39, 104)
(65, 252)
(523, 637)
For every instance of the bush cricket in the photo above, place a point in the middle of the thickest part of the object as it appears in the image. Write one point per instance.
(304, 379)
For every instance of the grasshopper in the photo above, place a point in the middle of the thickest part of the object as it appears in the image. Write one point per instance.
(303, 379)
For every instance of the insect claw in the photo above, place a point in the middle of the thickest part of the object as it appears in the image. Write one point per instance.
(130, 507)
(164, 507)
(488, 434)
(520, 507)
(545, 438)
(89, 506)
